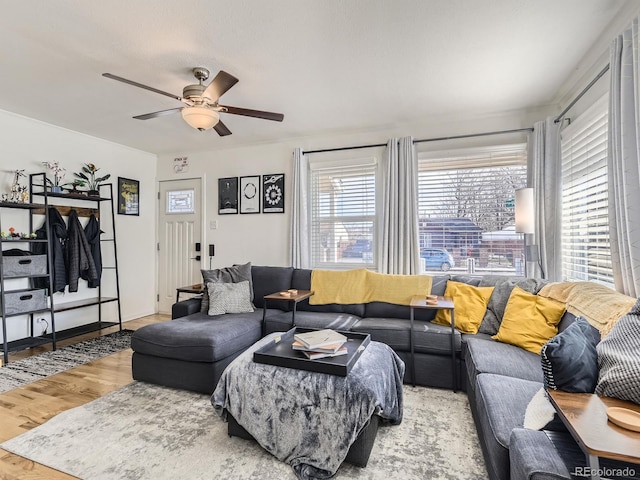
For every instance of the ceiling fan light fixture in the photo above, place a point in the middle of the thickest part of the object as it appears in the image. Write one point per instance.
(201, 118)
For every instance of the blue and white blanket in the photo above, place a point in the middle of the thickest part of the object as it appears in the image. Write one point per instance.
(306, 419)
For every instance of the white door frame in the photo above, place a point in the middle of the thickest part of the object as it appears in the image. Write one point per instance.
(203, 230)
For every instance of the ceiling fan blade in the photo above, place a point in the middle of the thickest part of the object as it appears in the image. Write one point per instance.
(147, 116)
(140, 85)
(276, 117)
(222, 129)
(219, 85)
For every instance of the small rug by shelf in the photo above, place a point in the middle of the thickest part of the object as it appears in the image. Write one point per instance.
(27, 370)
(146, 431)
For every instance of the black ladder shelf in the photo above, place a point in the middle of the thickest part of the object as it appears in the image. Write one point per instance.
(51, 199)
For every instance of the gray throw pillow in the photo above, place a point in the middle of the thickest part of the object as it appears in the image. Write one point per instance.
(234, 274)
(229, 298)
(500, 296)
(570, 360)
(619, 359)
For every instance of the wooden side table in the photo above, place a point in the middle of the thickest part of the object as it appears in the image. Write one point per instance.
(196, 288)
(585, 416)
(296, 298)
(444, 303)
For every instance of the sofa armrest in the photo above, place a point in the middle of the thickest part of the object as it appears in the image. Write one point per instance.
(185, 307)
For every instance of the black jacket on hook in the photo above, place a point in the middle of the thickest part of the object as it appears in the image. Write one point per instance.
(57, 241)
(92, 232)
(79, 260)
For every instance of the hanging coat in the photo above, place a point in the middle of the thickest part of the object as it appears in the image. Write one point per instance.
(57, 242)
(79, 259)
(92, 232)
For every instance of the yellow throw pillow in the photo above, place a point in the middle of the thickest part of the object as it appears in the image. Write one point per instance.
(470, 305)
(529, 320)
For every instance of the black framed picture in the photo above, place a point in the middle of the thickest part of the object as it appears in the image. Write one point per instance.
(227, 195)
(273, 193)
(128, 196)
(250, 194)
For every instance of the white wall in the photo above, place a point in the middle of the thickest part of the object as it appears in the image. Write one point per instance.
(24, 144)
(264, 239)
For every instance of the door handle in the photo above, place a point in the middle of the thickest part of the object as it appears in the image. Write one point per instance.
(197, 257)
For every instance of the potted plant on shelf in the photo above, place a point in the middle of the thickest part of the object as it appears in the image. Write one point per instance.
(74, 186)
(88, 175)
(58, 175)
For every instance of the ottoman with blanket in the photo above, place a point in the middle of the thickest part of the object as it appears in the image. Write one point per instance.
(307, 419)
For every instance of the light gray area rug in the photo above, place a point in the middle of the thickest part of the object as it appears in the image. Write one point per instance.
(145, 431)
(27, 370)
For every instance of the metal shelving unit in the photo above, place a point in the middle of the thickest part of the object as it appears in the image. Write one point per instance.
(31, 340)
(51, 199)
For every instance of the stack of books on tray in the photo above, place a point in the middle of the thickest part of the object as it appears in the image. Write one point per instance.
(320, 344)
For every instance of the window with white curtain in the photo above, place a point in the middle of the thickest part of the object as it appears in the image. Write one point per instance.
(586, 252)
(343, 213)
(466, 210)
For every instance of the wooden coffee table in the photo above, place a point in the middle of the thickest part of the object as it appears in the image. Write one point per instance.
(585, 416)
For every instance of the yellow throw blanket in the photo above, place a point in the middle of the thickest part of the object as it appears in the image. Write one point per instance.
(364, 286)
(600, 305)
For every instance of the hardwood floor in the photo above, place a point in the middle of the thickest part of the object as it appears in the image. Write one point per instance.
(26, 407)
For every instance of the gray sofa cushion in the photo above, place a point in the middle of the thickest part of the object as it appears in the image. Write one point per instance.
(532, 455)
(468, 279)
(428, 337)
(536, 455)
(490, 356)
(268, 280)
(199, 337)
(500, 405)
(301, 280)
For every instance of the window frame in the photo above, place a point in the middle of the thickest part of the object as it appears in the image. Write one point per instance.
(462, 161)
(348, 167)
(592, 211)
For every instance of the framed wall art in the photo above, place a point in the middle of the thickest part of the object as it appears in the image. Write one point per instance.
(227, 195)
(273, 193)
(250, 194)
(128, 196)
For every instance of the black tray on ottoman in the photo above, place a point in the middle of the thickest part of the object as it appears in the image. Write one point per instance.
(280, 353)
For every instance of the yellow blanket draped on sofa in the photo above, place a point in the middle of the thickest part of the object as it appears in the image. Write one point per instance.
(601, 306)
(363, 286)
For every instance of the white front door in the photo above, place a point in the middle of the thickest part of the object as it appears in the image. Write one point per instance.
(179, 229)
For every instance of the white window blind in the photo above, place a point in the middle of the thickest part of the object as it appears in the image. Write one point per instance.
(586, 253)
(343, 214)
(466, 208)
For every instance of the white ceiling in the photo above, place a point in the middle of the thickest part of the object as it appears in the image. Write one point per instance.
(328, 65)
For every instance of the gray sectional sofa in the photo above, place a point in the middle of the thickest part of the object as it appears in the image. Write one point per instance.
(191, 351)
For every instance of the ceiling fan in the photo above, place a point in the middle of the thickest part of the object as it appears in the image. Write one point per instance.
(203, 110)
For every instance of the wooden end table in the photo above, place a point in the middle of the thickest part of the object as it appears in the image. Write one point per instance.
(444, 303)
(296, 298)
(585, 416)
(196, 288)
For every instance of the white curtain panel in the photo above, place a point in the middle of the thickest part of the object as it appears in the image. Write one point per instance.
(544, 174)
(300, 237)
(398, 250)
(624, 161)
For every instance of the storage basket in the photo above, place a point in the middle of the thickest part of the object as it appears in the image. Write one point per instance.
(24, 265)
(21, 301)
